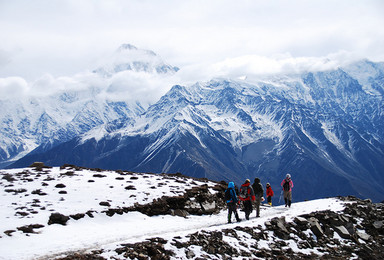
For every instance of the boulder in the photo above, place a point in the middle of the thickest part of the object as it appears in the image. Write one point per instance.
(208, 207)
(179, 212)
(37, 165)
(363, 236)
(342, 231)
(57, 218)
(315, 227)
(378, 224)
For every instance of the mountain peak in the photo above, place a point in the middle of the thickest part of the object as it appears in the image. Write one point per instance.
(127, 46)
(130, 58)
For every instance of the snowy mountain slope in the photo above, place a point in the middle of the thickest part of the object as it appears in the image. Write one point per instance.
(56, 110)
(105, 220)
(49, 121)
(317, 126)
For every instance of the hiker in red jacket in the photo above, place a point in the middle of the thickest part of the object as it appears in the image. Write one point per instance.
(269, 193)
(247, 195)
(287, 186)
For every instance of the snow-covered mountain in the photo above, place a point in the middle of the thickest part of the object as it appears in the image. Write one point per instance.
(71, 212)
(44, 122)
(57, 110)
(130, 58)
(324, 128)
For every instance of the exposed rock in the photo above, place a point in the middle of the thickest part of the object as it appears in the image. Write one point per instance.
(105, 203)
(179, 212)
(130, 187)
(278, 225)
(79, 256)
(342, 231)
(39, 192)
(301, 221)
(9, 232)
(37, 164)
(378, 224)
(315, 227)
(29, 228)
(364, 236)
(8, 177)
(153, 249)
(77, 216)
(99, 175)
(57, 218)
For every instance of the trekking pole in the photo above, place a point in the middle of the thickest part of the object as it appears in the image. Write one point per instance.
(281, 194)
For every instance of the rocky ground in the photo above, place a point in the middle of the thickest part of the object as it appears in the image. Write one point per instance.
(355, 233)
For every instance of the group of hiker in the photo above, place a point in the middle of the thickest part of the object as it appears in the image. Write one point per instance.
(254, 193)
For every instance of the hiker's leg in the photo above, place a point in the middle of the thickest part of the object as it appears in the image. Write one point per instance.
(237, 216)
(247, 208)
(229, 212)
(289, 198)
(258, 207)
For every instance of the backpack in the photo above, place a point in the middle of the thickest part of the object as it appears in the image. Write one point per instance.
(227, 195)
(258, 189)
(244, 192)
(286, 186)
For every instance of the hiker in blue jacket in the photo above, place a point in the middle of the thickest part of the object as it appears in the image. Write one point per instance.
(231, 199)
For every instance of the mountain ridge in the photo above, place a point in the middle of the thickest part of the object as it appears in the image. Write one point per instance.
(315, 125)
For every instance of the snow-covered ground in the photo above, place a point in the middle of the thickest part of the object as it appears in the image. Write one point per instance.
(70, 192)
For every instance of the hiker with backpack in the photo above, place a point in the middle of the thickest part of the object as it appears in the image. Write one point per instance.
(269, 193)
(247, 195)
(231, 200)
(287, 186)
(259, 192)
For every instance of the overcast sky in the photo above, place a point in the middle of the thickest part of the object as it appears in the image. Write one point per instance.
(65, 37)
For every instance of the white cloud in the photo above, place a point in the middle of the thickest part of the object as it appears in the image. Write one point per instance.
(284, 64)
(137, 86)
(12, 87)
(203, 38)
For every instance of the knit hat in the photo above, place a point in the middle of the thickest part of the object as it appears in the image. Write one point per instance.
(288, 176)
(268, 184)
(247, 181)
